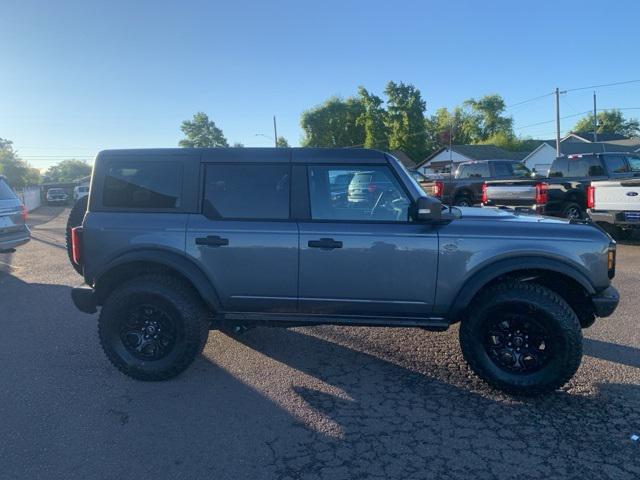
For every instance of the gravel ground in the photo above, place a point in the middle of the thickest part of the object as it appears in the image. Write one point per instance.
(303, 403)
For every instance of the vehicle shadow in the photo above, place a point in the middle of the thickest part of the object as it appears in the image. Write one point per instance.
(277, 403)
(44, 214)
(612, 352)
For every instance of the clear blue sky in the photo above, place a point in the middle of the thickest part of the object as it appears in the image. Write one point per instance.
(79, 76)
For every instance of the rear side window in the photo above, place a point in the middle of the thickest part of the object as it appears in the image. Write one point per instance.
(474, 170)
(589, 166)
(616, 164)
(5, 191)
(247, 191)
(143, 185)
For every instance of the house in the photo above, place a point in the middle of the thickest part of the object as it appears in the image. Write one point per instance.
(541, 157)
(440, 161)
(404, 159)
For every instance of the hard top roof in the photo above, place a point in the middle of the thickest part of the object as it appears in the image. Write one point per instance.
(254, 155)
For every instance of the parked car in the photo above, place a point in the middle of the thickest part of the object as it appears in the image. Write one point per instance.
(13, 219)
(175, 242)
(615, 204)
(564, 192)
(57, 196)
(465, 188)
(80, 191)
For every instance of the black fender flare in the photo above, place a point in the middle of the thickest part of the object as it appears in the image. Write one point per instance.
(171, 260)
(502, 267)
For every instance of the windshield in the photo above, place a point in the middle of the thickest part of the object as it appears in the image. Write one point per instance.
(5, 191)
(56, 190)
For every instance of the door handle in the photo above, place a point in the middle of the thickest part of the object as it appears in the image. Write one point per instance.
(212, 241)
(325, 244)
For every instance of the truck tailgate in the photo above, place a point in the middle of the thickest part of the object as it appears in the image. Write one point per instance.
(617, 195)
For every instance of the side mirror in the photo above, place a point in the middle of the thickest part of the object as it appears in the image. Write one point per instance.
(428, 209)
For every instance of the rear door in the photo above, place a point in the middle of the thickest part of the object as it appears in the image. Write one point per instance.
(363, 256)
(243, 235)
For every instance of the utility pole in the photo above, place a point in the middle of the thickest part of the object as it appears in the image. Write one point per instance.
(595, 119)
(557, 122)
(275, 132)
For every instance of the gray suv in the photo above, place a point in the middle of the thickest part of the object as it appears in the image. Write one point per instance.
(13, 215)
(176, 242)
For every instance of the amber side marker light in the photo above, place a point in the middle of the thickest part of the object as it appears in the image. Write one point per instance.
(611, 260)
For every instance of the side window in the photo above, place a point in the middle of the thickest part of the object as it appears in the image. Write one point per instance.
(595, 168)
(502, 169)
(372, 194)
(143, 185)
(616, 164)
(247, 191)
(474, 170)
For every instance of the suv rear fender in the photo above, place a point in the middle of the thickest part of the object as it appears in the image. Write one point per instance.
(491, 272)
(141, 262)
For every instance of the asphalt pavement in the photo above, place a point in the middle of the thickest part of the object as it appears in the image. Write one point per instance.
(305, 403)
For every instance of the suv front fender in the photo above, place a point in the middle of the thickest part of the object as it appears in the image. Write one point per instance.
(512, 265)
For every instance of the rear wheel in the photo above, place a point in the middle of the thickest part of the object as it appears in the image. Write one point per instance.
(463, 201)
(573, 211)
(76, 216)
(522, 338)
(153, 327)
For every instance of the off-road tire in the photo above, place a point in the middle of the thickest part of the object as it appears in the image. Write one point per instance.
(76, 216)
(562, 322)
(179, 301)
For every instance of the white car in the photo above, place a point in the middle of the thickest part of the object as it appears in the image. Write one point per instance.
(80, 191)
(57, 195)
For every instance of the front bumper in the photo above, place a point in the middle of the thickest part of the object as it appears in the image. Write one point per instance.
(84, 299)
(605, 302)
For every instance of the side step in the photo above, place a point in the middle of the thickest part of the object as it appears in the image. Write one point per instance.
(438, 324)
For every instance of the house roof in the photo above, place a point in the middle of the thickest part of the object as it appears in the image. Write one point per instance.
(602, 137)
(479, 152)
(569, 148)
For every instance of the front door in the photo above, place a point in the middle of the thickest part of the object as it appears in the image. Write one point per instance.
(244, 238)
(359, 253)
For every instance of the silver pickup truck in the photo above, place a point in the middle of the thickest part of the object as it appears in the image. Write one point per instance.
(615, 205)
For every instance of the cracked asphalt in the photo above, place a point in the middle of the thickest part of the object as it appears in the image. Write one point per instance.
(304, 403)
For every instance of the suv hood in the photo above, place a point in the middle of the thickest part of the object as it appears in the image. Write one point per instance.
(489, 213)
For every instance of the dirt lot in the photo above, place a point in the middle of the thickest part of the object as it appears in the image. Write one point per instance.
(303, 403)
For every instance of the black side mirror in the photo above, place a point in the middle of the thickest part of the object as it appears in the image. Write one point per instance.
(428, 209)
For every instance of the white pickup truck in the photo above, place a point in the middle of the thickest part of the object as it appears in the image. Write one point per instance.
(615, 205)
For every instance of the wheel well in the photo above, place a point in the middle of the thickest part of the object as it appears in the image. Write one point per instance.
(463, 193)
(569, 289)
(122, 273)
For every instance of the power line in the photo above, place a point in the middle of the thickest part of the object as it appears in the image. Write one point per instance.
(602, 85)
(551, 121)
(528, 100)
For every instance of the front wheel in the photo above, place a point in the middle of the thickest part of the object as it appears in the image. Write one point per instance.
(153, 327)
(522, 338)
(463, 201)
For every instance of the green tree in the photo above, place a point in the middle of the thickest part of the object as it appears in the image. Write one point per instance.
(373, 120)
(609, 121)
(405, 120)
(282, 143)
(511, 142)
(462, 126)
(202, 132)
(489, 114)
(19, 173)
(333, 124)
(67, 171)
